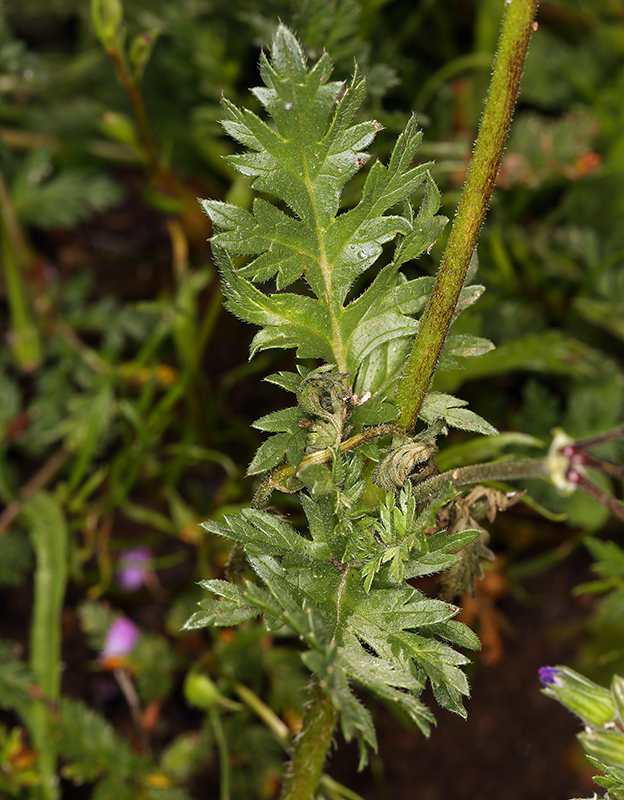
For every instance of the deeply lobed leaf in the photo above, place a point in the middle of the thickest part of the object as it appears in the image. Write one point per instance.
(385, 635)
(303, 164)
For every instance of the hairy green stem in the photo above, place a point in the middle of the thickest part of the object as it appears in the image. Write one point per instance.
(49, 537)
(501, 98)
(304, 772)
(284, 479)
(478, 473)
(318, 726)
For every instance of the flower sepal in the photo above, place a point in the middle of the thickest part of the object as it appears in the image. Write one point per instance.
(605, 745)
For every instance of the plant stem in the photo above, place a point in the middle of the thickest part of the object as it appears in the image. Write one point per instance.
(601, 438)
(164, 178)
(312, 746)
(16, 260)
(49, 537)
(282, 477)
(600, 496)
(224, 759)
(278, 728)
(478, 473)
(499, 105)
(131, 87)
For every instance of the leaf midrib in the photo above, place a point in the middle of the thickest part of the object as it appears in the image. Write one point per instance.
(338, 346)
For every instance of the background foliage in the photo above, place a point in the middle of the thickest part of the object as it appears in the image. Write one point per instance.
(126, 396)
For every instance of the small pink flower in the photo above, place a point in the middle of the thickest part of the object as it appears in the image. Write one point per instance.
(132, 569)
(121, 638)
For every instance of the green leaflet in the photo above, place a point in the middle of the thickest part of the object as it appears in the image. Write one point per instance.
(371, 628)
(400, 540)
(304, 162)
(453, 411)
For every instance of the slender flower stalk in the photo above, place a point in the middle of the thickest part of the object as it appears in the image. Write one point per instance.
(480, 473)
(495, 123)
(590, 488)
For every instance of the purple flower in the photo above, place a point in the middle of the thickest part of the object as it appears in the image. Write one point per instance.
(133, 566)
(549, 676)
(121, 638)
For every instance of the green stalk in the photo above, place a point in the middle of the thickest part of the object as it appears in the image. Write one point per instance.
(48, 532)
(304, 771)
(15, 257)
(480, 473)
(224, 759)
(495, 123)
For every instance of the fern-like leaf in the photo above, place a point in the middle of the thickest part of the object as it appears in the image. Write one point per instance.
(379, 632)
(304, 163)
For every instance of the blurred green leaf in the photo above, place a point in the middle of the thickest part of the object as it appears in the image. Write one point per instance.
(551, 352)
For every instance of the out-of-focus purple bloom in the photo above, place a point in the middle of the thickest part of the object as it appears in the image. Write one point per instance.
(132, 568)
(121, 638)
(549, 676)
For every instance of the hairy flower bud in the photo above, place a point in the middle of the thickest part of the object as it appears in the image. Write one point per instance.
(202, 692)
(107, 17)
(617, 695)
(606, 745)
(391, 473)
(559, 462)
(591, 702)
(325, 394)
